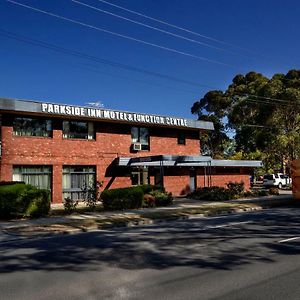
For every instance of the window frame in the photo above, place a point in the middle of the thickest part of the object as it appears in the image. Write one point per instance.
(144, 146)
(46, 170)
(77, 193)
(181, 138)
(71, 135)
(30, 133)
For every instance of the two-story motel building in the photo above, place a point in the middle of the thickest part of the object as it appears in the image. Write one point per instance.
(66, 147)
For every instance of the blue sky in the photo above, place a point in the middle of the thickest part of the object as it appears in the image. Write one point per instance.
(257, 35)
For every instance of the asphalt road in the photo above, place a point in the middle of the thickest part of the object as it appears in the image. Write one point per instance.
(244, 256)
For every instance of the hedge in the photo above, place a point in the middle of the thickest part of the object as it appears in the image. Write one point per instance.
(122, 198)
(22, 200)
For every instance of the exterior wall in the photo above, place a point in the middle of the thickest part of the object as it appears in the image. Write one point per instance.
(222, 180)
(112, 141)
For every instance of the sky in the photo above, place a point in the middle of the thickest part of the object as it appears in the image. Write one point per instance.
(85, 55)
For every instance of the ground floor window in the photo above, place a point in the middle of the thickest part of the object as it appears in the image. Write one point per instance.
(39, 176)
(78, 181)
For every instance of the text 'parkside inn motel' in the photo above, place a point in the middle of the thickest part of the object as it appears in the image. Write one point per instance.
(65, 147)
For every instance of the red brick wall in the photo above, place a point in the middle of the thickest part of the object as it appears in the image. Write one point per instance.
(112, 140)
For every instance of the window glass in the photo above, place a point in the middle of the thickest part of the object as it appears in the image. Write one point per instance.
(134, 134)
(78, 130)
(32, 127)
(181, 138)
(78, 181)
(39, 176)
(140, 135)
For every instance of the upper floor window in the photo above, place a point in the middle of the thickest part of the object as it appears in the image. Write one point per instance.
(32, 127)
(140, 135)
(78, 130)
(181, 138)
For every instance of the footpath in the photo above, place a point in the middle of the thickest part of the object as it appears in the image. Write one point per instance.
(182, 208)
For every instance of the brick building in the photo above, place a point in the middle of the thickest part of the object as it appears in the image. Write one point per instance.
(65, 147)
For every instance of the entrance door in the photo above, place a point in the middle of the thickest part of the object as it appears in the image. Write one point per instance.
(139, 177)
(193, 180)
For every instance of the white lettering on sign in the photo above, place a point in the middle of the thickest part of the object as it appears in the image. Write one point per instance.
(112, 115)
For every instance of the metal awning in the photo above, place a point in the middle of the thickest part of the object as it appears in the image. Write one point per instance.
(184, 161)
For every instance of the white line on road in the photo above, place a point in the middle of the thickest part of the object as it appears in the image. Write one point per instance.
(290, 239)
(228, 224)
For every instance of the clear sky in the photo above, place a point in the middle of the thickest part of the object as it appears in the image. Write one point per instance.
(257, 35)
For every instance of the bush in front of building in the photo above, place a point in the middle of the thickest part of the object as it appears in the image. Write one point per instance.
(122, 198)
(162, 198)
(274, 191)
(22, 200)
(212, 193)
(236, 189)
(148, 188)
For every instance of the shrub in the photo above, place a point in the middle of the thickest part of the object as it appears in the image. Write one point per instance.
(147, 188)
(149, 200)
(162, 198)
(213, 193)
(262, 193)
(70, 205)
(273, 191)
(22, 200)
(236, 189)
(38, 203)
(122, 198)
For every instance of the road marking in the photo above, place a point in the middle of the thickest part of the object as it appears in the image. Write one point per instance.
(228, 224)
(290, 239)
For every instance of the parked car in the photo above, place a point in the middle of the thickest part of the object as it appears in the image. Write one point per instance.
(278, 180)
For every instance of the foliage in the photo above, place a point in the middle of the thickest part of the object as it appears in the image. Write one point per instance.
(91, 194)
(122, 198)
(213, 193)
(273, 191)
(149, 200)
(39, 203)
(22, 200)
(264, 114)
(162, 198)
(147, 188)
(236, 189)
(70, 205)
(262, 193)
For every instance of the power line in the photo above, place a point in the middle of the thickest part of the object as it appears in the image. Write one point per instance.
(154, 28)
(96, 59)
(177, 27)
(121, 35)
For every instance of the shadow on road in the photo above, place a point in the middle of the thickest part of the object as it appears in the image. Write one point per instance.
(182, 243)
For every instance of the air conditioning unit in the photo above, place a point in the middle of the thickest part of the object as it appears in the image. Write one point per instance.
(137, 146)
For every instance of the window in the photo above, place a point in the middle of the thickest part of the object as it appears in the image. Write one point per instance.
(32, 127)
(140, 135)
(39, 176)
(78, 130)
(78, 181)
(181, 138)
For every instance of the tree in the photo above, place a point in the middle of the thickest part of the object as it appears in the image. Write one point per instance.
(264, 113)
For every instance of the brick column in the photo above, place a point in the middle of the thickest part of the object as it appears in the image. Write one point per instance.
(57, 184)
(6, 172)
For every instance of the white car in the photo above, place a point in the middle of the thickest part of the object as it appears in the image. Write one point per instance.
(278, 180)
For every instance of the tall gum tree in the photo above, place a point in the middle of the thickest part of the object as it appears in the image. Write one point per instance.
(263, 112)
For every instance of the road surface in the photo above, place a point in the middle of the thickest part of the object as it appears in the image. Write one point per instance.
(244, 256)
